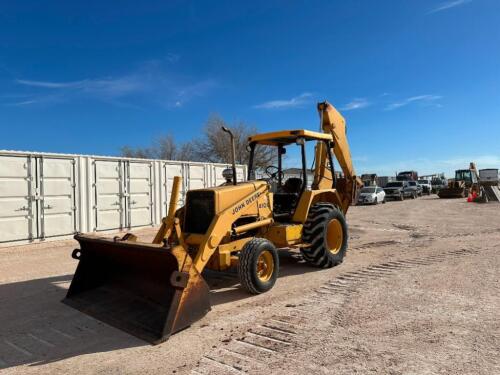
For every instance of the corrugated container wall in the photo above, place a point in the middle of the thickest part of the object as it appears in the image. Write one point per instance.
(489, 176)
(45, 196)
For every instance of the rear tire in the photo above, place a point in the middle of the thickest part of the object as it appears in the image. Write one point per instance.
(327, 232)
(258, 266)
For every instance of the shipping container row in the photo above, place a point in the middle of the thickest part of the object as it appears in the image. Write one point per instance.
(45, 196)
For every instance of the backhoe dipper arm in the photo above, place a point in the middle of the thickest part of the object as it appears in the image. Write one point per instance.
(473, 169)
(333, 123)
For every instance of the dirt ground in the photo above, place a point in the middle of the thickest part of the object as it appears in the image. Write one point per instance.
(418, 293)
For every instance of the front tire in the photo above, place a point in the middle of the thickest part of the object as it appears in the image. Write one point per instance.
(327, 233)
(258, 266)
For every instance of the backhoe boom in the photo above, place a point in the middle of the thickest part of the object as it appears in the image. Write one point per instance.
(332, 122)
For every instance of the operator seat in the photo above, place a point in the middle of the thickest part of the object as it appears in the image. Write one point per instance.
(286, 199)
(293, 185)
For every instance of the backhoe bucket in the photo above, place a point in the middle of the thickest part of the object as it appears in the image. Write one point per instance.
(147, 290)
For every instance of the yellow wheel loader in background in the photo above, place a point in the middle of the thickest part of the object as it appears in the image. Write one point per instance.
(153, 290)
(466, 181)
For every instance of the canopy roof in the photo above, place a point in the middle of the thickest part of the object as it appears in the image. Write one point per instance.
(286, 137)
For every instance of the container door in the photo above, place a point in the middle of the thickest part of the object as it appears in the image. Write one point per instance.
(170, 170)
(139, 194)
(57, 203)
(17, 198)
(217, 178)
(108, 195)
(240, 174)
(196, 176)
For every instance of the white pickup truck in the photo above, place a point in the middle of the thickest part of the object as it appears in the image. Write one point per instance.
(426, 186)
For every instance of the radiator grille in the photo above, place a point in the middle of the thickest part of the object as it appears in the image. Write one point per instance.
(200, 210)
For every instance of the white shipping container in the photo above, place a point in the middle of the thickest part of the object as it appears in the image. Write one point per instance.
(57, 193)
(44, 195)
(108, 196)
(17, 192)
(139, 194)
(489, 175)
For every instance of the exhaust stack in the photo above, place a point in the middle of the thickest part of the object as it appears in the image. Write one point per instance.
(233, 152)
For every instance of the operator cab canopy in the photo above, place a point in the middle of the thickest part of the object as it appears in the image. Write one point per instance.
(286, 137)
(287, 188)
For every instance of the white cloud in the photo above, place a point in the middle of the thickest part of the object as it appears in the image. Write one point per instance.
(152, 83)
(357, 103)
(22, 103)
(424, 99)
(189, 92)
(29, 100)
(448, 5)
(49, 85)
(105, 87)
(297, 101)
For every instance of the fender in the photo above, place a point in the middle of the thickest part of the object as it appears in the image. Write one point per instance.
(308, 198)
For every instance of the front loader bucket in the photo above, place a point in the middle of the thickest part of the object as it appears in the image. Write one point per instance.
(146, 290)
(458, 192)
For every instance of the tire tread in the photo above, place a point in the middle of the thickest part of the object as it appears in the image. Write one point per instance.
(313, 233)
(245, 263)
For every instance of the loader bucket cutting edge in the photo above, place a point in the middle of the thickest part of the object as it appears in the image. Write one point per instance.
(452, 193)
(146, 290)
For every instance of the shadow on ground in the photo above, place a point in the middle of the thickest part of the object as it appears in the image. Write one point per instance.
(37, 328)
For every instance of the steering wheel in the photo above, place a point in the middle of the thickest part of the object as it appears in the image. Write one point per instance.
(273, 172)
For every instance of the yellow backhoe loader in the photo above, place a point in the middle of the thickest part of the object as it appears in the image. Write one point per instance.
(466, 181)
(153, 290)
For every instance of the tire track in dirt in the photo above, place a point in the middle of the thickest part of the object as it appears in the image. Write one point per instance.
(279, 337)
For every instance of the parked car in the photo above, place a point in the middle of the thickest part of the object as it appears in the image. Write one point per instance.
(412, 190)
(371, 195)
(396, 190)
(426, 186)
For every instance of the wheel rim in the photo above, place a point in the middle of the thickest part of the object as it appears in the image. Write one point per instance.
(334, 236)
(265, 266)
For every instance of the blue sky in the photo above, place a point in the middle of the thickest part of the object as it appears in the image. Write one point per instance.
(418, 81)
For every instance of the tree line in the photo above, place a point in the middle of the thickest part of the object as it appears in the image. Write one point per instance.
(213, 145)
